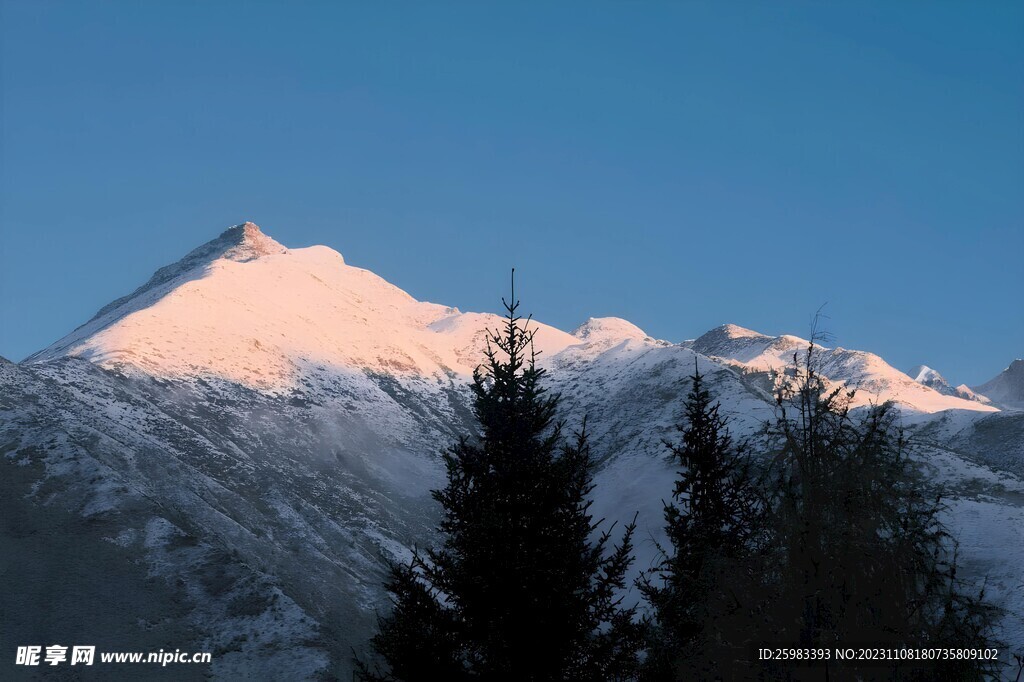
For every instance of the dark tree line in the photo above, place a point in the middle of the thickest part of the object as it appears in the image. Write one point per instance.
(831, 540)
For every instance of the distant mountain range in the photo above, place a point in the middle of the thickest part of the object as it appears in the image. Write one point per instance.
(226, 458)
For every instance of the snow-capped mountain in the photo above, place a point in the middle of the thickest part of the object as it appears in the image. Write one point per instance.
(247, 439)
(923, 374)
(243, 308)
(875, 380)
(1006, 389)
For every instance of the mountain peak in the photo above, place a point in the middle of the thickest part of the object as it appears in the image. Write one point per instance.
(734, 331)
(240, 243)
(243, 242)
(733, 341)
(608, 329)
(244, 309)
(726, 335)
(926, 376)
(923, 374)
(1007, 387)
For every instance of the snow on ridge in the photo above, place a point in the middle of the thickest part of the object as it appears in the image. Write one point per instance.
(926, 376)
(923, 374)
(734, 331)
(240, 243)
(609, 329)
(466, 335)
(738, 343)
(875, 379)
(245, 309)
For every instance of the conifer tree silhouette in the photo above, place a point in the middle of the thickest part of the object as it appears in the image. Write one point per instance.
(519, 588)
(703, 591)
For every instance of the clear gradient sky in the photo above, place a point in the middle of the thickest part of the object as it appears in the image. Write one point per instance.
(677, 164)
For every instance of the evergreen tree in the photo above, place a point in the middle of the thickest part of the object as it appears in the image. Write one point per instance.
(520, 589)
(864, 558)
(703, 592)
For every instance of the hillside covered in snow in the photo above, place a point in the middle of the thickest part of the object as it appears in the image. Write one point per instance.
(250, 436)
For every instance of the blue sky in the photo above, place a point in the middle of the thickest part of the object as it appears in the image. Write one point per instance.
(680, 165)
